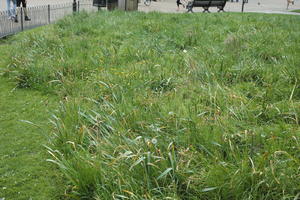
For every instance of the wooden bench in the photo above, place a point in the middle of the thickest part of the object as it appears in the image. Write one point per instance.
(206, 4)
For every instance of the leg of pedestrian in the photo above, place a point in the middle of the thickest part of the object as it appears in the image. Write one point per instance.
(18, 5)
(13, 10)
(24, 5)
(8, 9)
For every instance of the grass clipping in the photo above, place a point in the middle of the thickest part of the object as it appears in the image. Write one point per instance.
(165, 106)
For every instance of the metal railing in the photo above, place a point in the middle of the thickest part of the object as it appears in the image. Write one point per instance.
(40, 15)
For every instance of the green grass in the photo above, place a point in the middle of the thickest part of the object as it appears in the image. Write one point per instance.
(24, 172)
(298, 11)
(168, 106)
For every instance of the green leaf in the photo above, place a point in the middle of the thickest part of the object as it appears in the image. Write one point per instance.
(164, 173)
(137, 162)
(209, 189)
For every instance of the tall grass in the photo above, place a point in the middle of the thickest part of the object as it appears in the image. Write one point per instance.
(164, 106)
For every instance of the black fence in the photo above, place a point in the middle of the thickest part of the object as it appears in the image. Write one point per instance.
(40, 15)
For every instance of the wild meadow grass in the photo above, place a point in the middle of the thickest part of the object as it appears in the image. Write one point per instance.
(170, 106)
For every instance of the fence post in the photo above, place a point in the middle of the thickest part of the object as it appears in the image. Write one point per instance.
(74, 6)
(49, 16)
(78, 3)
(22, 22)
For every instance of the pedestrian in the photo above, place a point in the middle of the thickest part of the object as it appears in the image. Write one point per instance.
(178, 2)
(290, 2)
(11, 9)
(24, 6)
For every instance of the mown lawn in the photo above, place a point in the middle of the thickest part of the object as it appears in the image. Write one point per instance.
(169, 106)
(24, 172)
(298, 11)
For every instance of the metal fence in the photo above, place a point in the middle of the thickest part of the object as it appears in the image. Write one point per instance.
(40, 15)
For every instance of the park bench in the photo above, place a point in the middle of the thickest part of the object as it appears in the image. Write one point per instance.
(206, 4)
(99, 3)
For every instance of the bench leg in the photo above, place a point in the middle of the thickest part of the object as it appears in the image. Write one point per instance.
(206, 9)
(221, 9)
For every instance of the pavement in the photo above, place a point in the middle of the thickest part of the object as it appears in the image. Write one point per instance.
(261, 6)
(3, 5)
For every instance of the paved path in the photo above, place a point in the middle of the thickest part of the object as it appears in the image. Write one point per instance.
(263, 6)
(36, 2)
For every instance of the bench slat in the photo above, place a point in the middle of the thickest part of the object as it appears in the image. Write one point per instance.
(220, 4)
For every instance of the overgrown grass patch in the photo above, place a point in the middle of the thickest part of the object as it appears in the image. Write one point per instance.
(166, 106)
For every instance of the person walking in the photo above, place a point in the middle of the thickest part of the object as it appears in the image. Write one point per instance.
(11, 9)
(24, 6)
(178, 2)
